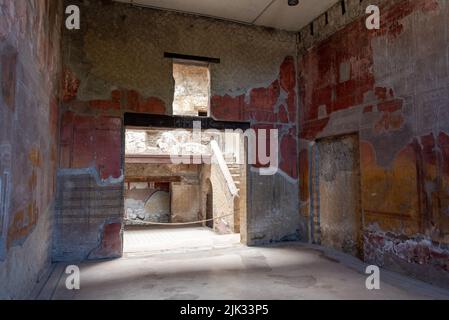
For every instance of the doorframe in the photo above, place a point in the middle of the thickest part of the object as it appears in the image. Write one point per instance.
(315, 193)
(144, 120)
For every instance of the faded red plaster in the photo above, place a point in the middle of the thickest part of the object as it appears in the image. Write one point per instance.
(227, 107)
(66, 137)
(390, 106)
(113, 104)
(260, 109)
(430, 6)
(264, 99)
(138, 104)
(291, 104)
(311, 129)
(53, 116)
(104, 105)
(116, 95)
(288, 83)
(70, 85)
(368, 109)
(23, 223)
(111, 243)
(133, 99)
(108, 153)
(389, 122)
(34, 157)
(33, 170)
(443, 142)
(262, 103)
(287, 75)
(95, 141)
(25, 220)
(428, 149)
(383, 94)
(91, 141)
(152, 105)
(288, 154)
(8, 83)
(433, 168)
(367, 154)
(319, 68)
(391, 26)
(416, 202)
(83, 142)
(435, 152)
(304, 175)
(283, 115)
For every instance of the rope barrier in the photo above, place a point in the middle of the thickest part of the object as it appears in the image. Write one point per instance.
(183, 223)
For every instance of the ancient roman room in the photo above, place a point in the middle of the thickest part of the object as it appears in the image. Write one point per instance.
(199, 150)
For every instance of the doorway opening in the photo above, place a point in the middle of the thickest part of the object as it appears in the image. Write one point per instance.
(172, 204)
(336, 215)
(192, 88)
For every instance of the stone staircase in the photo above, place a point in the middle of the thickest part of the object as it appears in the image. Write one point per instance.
(236, 173)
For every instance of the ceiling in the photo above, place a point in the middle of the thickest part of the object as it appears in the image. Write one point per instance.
(269, 13)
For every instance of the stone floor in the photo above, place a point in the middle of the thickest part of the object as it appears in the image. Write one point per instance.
(195, 263)
(174, 239)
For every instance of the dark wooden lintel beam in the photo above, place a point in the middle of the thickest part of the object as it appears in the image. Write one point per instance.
(131, 179)
(181, 122)
(188, 57)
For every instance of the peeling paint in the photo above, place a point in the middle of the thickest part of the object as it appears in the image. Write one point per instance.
(392, 94)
